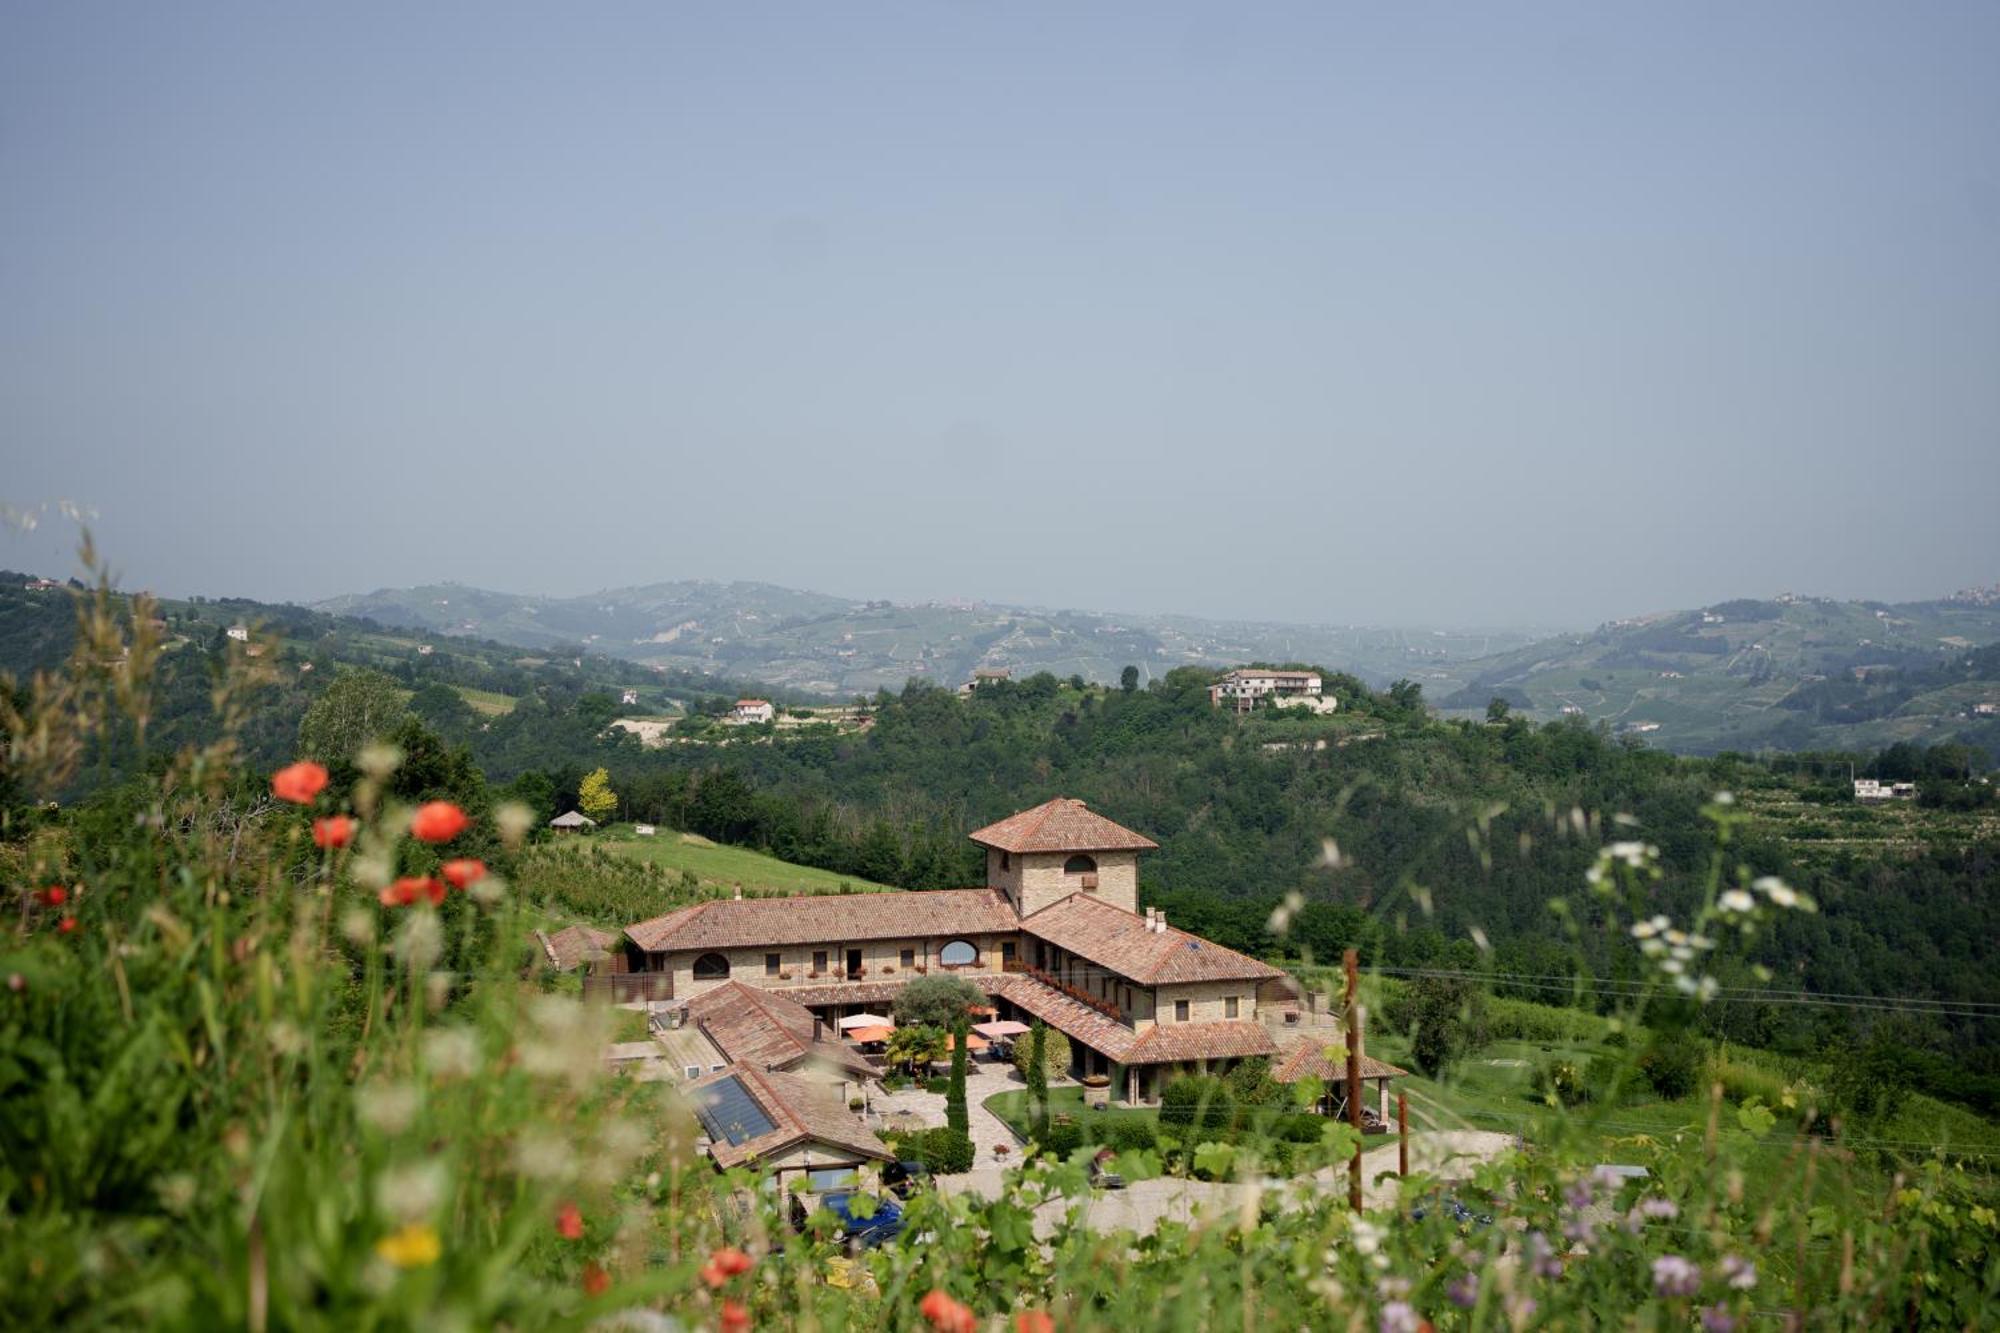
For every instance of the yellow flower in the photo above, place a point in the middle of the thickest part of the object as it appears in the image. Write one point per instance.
(415, 1246)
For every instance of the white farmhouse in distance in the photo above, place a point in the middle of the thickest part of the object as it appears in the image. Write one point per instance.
(240, 633)
(752, 710)
(1873, 789)
(629, 697)
(1243, 687)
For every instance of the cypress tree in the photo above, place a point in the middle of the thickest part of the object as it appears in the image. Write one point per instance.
(1038, 1078)
(955, 1114)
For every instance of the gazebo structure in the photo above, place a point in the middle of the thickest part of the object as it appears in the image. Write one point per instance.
(573, 821)
(1328, 1064)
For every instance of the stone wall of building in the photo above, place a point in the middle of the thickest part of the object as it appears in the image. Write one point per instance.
(882, 960)
(1037, 879)
(1208, 1002)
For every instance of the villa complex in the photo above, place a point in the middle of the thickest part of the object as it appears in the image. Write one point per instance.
(1055, 934)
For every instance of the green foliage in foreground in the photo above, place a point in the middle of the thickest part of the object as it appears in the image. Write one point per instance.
(243, 1093)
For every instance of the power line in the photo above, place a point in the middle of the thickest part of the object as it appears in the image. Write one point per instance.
(1615, 989)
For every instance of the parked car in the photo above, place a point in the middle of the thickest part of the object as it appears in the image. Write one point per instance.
(881, 1226)
(1450, 1206)
(903, 1179)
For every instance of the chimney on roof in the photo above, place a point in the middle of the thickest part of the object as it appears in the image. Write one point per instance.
(739, 893)
(1160, 920)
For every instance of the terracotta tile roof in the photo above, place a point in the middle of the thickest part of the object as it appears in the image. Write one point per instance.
(573, 946)
(1112, 937)
(1170, 1043)
(752, 1026)
(800, 1109)
(1163, 1044)
(1072, 1018)
(1061, 825)
(1166, 1043)
(748, 923)
(1310, 1059)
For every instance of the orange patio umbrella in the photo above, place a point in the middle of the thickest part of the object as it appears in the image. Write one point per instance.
(869, 1034)
(973, 1042)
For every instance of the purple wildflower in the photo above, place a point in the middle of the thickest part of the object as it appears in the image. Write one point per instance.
(1675, 1276)
(1658, 1209)
(1579, 1195)
(1717, 1319)
(1542, 1257)
(1740, 1273)
(1464, 1291)
(1399, 1317)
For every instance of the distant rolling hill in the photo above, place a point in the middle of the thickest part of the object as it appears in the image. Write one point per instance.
(1789, 673)
(839, 647)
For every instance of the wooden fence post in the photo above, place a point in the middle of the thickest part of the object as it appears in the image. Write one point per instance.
(1352, 961)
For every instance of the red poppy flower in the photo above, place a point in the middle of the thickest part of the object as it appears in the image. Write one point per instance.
(299, 783)
(569, 1222)
(53, 896)
(438, 821)
(731, 1261)
(465, 872)
(1034, 1321)
(333, 831)
(735, 1318)
(67, 925)
(945, 1314)
(595, 1280)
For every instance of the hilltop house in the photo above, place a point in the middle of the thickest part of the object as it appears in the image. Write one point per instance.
(1872, 789)
(752, 710)
(1242, 688)
(982, 677)
(1055, 934)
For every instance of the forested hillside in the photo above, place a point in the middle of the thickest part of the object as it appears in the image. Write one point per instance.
(1415, 838)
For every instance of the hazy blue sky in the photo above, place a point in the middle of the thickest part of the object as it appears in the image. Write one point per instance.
(1389, 313)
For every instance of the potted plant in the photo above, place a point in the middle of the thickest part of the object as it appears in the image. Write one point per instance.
(860, 971)
(888, 969)
(784, 974)
(1000, 1150)
(923, 967)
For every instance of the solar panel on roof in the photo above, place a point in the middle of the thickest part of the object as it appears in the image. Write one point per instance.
(728, 1112)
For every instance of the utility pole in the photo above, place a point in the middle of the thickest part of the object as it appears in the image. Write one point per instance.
(1402, 1135)
(1352, 961)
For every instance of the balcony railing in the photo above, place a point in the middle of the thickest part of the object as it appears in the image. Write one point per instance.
(1103, 1006)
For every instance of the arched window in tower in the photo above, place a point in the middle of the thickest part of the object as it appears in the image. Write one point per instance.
(711, 967)
(1080, 865)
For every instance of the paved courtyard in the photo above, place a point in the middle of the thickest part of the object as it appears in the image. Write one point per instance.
(913, 1108)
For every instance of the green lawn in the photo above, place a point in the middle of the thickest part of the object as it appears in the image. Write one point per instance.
(727, 865)
(1012, 1107)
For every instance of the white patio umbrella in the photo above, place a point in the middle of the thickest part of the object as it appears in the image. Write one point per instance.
(1005, 1027)
(866, 1021)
